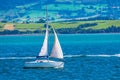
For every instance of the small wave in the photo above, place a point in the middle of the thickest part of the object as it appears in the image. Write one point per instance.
(4, 58)
(73, 55)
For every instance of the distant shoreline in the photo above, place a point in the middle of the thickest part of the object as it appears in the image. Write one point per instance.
(58, 34)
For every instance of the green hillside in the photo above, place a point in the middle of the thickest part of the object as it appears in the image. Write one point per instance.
(101, 24)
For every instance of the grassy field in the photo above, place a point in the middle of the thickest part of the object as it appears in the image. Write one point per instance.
(101, 24)
(72, 7)
(31, 27)
(55, 9)
(106, 23)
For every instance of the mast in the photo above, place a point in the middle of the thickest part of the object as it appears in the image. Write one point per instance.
(47, 25)
(44, 49)
(46, 16)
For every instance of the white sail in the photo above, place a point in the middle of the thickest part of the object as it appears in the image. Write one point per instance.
(57, 50)
(44, 49)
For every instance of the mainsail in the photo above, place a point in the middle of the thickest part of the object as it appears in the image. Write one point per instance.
(44, 49)
(57, 50)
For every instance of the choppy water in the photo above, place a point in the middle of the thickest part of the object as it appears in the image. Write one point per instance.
(87, 57)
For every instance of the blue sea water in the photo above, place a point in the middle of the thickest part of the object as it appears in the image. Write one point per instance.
(87, 57)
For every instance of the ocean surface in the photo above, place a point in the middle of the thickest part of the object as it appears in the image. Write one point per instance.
(87, 57)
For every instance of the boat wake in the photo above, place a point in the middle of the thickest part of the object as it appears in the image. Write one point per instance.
(4, 58)
(100, 55)
(66, 56)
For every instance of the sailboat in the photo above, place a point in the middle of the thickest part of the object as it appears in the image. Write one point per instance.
(45, 60)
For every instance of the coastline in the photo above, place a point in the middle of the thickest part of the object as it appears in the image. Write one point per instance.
(39, 34)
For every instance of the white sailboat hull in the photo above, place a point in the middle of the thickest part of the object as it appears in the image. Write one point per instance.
(44, 64)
